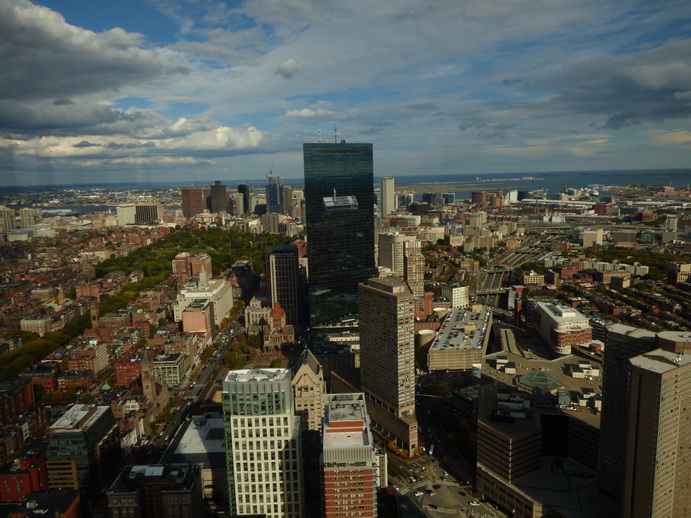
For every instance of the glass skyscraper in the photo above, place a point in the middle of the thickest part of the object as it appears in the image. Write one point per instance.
(339, 197)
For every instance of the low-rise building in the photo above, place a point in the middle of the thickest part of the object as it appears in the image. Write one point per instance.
(461, 341)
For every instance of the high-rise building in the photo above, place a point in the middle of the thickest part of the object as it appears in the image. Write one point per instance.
(391, 251)
(126, 214)
(245, 191)
(388, 196)
(387, 357)
(263, 453)
(309, 389)
(195, 200)
(339, 198)
(621, 344)
(147, 213)
(219, 197)
(288, 200)
(8, 219)
(349, 463)
(282, 269)
(27, 217)
(274, 194)
(658, 456)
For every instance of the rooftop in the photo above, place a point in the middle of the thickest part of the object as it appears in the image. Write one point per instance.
(463, 329)
(248, 375)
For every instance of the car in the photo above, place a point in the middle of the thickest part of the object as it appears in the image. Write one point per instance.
(474, 503)
(433, 506)
(419, 493)
(436, 486)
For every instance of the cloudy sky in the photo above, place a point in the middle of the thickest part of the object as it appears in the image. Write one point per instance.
(196, 90)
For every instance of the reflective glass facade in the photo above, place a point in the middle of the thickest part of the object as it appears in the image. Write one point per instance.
(339, 198)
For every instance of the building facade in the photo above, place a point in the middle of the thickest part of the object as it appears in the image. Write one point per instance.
(658, 457)
(283, 282)
(263, 452)
(387, 349)
(387, 203)
(339, 198)
(348, 463)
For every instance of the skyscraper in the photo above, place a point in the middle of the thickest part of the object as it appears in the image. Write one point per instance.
(387, 357)
(219, 197)
(274, 194)
(263, 453)
(658, 456)
(282, 270)
(245, 191)
(621, 344)
(195, 200)
(388, 196)
(339, 198)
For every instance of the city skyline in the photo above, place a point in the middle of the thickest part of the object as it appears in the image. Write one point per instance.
(152, 91)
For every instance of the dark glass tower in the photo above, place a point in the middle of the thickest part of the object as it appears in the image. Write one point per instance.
(219, 197)
(245, 191)
(339, 198)
(274, 194)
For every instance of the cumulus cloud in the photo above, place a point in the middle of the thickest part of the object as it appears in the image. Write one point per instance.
(288, 69)
(45, 57)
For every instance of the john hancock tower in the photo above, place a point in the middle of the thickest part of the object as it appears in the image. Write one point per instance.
(339, 199)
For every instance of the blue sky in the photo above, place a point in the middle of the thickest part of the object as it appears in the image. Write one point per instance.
(194, 90)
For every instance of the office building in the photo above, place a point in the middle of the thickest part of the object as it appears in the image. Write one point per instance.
(283, 280)
(157, 490)
(387, 372)
(126, 214)
(245, 191)
(339, 198)
(309, 389)
(561, 327)
(658, 458)
(219, 197)
(263, 452)
(83, 449)
(219, 292)
(621, 344)
(195, 200)
(387, 202)
(8, 219)
(392, 248)
(349, 463)
(274, 194)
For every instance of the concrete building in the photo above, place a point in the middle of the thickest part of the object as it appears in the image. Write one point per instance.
(387, 202)
(679, 272)
(592, 237)
(218, 292)
(198, 317)
(461, 341)
(387, 314)
(126, 213)
(83, 449)
(532, 278)
(561, 327)
(459, 296)
(658, 457)
(156, 490)
(171, 369)
(309, 389)
(349, 463)
(263, 451)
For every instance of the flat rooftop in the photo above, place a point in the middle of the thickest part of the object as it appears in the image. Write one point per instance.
(452, 334)
(254, 375)
(659, 361)
(75, 417)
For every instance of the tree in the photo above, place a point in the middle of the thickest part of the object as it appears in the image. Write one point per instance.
(277, 363)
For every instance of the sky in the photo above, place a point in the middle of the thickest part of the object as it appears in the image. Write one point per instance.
(98, 91)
